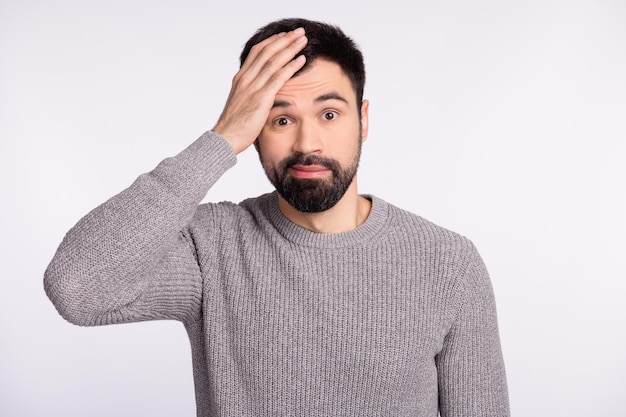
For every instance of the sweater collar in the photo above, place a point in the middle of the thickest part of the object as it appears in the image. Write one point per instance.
(301, 236)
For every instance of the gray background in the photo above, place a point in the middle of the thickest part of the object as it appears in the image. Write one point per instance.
(502, 120)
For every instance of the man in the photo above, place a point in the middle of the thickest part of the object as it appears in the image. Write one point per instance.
(312, 300)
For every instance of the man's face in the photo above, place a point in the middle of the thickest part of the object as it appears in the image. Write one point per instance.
(311, 143)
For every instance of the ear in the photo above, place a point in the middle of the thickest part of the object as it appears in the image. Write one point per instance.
(365, 106)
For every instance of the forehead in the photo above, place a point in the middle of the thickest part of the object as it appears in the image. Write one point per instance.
(321, 77)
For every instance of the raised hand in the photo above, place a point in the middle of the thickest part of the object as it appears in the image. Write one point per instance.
(267, 68)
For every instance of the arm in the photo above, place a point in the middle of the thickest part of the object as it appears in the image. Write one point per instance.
(130, 259)
(127, 260)
(472, 380)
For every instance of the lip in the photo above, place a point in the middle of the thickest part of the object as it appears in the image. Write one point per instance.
(309, 171)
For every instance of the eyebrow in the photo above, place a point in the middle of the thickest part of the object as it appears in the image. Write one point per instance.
(333, 95)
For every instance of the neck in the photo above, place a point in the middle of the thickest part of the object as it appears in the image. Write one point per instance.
(348, 214)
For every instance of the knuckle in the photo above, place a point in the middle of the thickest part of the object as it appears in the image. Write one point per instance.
(244, 78)
(256, 48)
(270, 61)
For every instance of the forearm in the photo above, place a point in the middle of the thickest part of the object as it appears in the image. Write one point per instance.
(116, 254)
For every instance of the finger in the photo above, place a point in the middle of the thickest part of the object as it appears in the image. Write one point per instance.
(276, 51)
(280, 49)
(254, 51)
(280, 77)
(271, 61)
(279, 41)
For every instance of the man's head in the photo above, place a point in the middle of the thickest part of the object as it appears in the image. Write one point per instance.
(324, 41)
(310, 145)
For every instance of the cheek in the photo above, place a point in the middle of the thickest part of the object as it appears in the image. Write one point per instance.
(270, 150)
(349, 139)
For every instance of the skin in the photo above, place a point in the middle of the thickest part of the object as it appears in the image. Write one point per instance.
(313, 113)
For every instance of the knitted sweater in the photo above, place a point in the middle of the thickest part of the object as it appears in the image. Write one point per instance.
(393, 318)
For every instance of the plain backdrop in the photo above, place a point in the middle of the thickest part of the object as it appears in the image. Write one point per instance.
(502, 120)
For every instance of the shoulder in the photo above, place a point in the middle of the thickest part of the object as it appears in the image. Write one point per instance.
(442, 252)
(227, 213)
(424, 231)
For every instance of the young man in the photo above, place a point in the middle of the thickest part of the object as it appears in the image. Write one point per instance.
(312, 300)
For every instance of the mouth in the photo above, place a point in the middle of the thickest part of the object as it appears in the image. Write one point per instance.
(309, 171)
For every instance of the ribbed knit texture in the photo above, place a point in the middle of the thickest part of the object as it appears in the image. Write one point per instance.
(394, 318)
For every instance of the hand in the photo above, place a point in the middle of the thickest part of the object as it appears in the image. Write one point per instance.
(267, 68)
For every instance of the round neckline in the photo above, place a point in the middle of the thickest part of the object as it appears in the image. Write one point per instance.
(299, 235)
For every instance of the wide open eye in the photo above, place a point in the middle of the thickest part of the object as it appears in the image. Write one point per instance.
(329, 115)
(281, 121)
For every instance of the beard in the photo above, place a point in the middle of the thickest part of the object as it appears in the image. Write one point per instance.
(312, 195)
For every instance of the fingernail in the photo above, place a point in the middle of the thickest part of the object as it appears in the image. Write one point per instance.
(298, 31)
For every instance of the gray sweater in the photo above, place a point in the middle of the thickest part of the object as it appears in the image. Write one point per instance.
(394, 318)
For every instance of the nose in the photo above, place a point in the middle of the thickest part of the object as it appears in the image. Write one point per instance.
(308, 140)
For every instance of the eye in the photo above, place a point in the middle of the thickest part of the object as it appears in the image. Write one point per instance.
(281, 121)
(329, 115)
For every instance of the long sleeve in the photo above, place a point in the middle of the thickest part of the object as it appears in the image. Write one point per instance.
(472, 380)
(130, 259)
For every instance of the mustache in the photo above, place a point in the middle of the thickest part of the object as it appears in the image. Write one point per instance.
(302, 159)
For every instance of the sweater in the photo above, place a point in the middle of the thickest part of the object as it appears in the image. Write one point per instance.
(394, 318)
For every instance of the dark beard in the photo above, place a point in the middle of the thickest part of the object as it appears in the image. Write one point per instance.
(313, 195)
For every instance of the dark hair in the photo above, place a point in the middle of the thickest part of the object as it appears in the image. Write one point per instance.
(324, 41)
